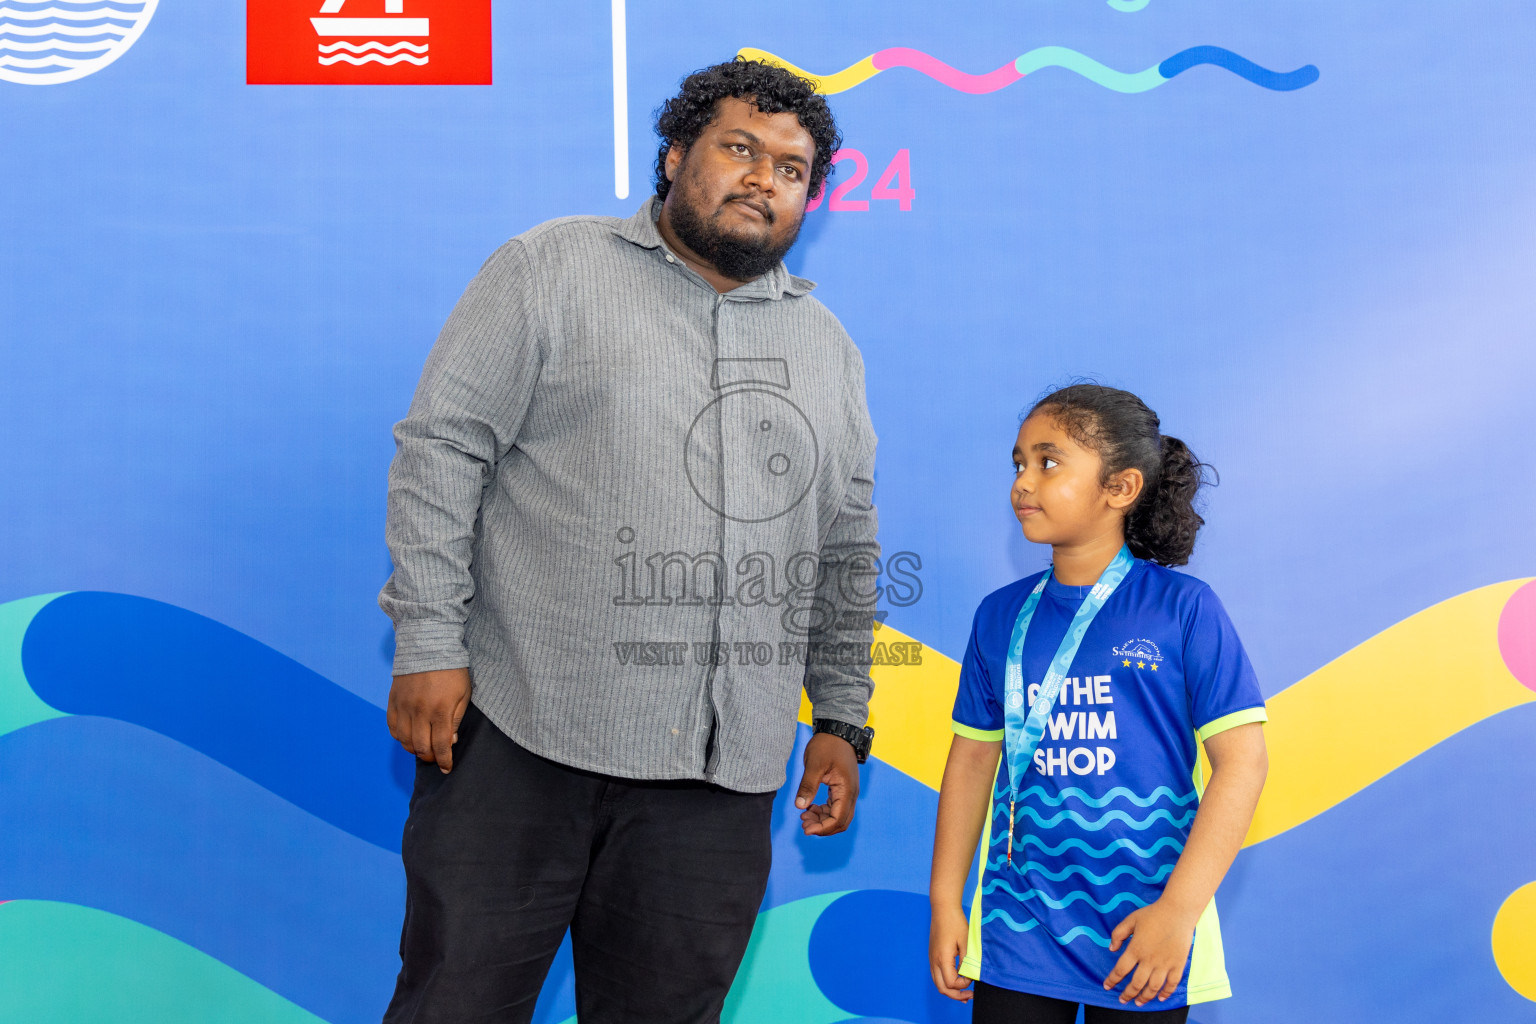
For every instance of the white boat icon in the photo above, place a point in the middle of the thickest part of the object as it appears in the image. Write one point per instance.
(394, 27)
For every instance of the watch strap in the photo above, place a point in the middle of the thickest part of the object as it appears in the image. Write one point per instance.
(861, 738)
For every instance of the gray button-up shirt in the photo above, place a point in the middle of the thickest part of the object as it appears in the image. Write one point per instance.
(639, 511)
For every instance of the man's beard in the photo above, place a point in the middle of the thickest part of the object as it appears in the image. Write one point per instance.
(738, 258)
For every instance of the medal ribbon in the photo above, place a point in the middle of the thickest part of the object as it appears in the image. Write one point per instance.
(1022, 730)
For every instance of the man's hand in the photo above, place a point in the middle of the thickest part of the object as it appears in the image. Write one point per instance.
(1160, 939)
(828, 759)
(948, 934)
(425, 709)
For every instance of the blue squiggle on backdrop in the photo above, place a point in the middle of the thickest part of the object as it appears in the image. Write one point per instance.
(1280, 81)
(256, 711)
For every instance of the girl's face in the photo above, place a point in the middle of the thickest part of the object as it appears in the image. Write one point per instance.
(1056, 494)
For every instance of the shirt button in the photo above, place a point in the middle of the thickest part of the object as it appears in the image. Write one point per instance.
(674, 732)
(671, 260)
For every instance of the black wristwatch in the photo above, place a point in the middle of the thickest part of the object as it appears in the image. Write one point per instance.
(858, 738)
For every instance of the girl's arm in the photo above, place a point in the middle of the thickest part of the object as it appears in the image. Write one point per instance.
(963, 799)
(1162, 931)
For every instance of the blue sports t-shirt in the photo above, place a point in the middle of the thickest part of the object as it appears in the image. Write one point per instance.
(1104, 811)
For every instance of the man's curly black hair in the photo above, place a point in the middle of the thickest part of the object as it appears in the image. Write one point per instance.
(683, 118)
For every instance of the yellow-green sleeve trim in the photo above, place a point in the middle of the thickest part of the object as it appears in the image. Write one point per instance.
(970, 964)
(1232, 721)
(984, 735)
(1207, 972)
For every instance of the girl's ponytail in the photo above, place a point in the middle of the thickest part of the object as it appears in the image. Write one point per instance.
(1161, 526)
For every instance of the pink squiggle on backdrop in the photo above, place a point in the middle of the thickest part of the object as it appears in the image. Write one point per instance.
(1517, 634)
(917, 60)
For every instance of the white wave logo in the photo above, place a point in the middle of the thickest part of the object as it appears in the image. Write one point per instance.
(361, 54)
(46, 42)
(373, 51)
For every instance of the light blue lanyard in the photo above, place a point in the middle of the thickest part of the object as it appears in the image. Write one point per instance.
(1022, 730)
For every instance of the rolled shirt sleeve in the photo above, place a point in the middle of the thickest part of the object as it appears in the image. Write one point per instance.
(465, 416)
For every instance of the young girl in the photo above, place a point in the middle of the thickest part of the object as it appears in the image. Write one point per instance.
(1094, 680)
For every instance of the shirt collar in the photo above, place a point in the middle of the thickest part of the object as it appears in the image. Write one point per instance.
(641, 230)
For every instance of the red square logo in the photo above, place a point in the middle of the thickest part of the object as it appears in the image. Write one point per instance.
(368, 42)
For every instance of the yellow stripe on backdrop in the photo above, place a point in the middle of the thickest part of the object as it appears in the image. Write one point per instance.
(1378, 706)
(910, 709)
(1337, 731)
(827, 85)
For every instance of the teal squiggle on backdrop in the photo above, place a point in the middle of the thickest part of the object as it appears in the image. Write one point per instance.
(19, 705)
(1099, 74)
(63, 964)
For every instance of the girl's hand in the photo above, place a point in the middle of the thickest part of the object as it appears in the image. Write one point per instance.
(946, 941)
(1160, 938)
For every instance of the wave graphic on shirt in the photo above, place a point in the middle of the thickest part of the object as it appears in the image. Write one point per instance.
(1096, 824)
(48, 42)
(1081, 931)
(1127, 886)
(1066, 899)
(1117, 793)
(1045, 871)
(1165, 843)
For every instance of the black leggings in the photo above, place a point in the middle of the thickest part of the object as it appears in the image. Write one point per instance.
(993, 1005)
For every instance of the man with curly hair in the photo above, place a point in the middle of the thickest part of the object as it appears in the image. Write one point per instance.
(631, 519)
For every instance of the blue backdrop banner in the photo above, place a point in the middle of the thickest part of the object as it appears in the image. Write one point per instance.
(1304, 232)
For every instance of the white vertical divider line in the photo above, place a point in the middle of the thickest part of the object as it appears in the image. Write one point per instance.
(620, 103)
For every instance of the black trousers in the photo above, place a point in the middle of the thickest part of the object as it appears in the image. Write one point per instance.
(659, 883)
(993, 1005)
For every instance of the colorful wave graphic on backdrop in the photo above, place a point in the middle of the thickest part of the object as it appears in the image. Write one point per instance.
(1039, 59)
(212, 830)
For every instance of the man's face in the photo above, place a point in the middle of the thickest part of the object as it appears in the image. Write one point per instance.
(738, 193)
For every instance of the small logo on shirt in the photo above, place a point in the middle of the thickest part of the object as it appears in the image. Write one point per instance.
(1141, 650)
